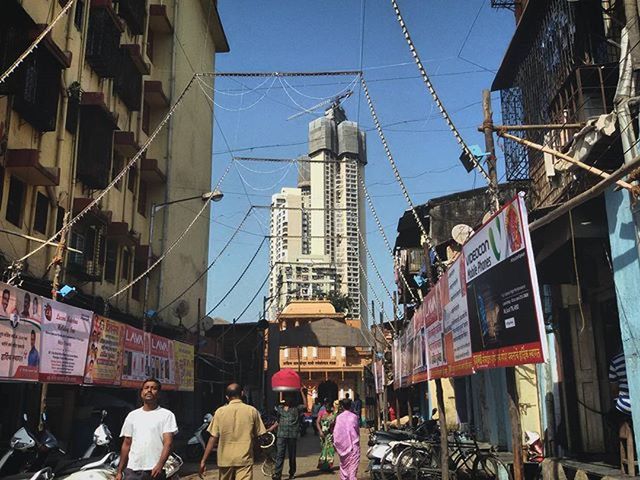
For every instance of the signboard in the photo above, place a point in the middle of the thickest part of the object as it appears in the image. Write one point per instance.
(484, 312)
(65, 338)
(161, 364)
(104, 355)
(378, 376)
(133, 358)
(184, 361)
(20, 323)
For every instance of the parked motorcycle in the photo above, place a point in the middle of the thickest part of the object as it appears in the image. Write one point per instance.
(33, 450)
(198, 442)
(42, 474)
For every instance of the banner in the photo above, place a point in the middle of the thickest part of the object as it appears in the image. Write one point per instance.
(65, 338)
(484, 312)
(183, 360)
(104, 355)
(378, 376)
(20, 324)
(133, 358)
(161, 361)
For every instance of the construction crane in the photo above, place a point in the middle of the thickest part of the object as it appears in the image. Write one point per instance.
(333, 102)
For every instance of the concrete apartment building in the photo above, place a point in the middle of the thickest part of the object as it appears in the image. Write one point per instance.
(75, 112)
(315, 246)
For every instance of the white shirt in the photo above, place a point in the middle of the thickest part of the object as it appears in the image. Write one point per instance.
(146, 429)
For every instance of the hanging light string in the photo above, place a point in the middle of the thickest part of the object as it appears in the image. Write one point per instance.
(434, 94)
(36, 42)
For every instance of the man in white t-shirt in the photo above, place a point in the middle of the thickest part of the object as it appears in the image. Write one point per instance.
(147, 437)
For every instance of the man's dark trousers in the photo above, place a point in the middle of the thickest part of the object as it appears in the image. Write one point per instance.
(282, 445)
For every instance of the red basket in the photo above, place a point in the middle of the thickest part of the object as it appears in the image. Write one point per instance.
(286, 380)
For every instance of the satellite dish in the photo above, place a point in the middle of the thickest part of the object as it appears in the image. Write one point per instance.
(206, 323)
(461, 233)
(181, 310)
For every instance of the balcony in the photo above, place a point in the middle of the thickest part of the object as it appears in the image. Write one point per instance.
(134, 13)
(95, 143)
(158, 19)
(103, 39)
(150, 172)
(120, 233)
(95, 216)
(25, 165)
(125, 144)
(154, 94)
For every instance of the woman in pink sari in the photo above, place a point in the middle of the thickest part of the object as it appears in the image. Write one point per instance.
(346, 439)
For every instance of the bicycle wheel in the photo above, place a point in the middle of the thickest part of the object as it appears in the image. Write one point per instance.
(268, 467)
(489, 467)
(416, 463)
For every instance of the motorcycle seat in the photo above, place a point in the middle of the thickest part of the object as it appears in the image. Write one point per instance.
(45, 473)
(69, 466)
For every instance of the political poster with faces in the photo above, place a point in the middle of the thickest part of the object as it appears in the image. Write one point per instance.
(104, 354)
(20, 331)
(65, 338)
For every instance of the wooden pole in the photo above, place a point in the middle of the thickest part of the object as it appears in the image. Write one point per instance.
(564, 156)
(397, 409)
(516, 427)
(594, 191)
(444, 434)
(385, 410)
(490, 148)
(57, 261)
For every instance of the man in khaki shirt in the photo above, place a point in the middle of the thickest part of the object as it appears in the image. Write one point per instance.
(233, 429)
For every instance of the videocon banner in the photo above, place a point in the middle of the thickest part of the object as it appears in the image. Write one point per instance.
(183, 355)
(20, 324)
(105, 352)
(65, 339)
(484, 311)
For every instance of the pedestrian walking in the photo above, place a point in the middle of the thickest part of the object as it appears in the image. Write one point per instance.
(147, 435)
(357, 408)
(346, 438)
(233, 430)
(288, 425)
(326, 421)
(315, 410)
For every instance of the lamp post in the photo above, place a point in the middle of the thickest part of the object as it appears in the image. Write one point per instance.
(214, 196)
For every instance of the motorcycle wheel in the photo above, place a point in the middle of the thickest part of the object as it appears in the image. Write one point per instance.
(194, 452)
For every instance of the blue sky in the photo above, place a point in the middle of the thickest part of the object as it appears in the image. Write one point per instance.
(303, 35)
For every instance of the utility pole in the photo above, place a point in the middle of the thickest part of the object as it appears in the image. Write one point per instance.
(490, 148)
(57, 262)
(510, 372)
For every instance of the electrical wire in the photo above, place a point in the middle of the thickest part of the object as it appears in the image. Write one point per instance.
(213, 262)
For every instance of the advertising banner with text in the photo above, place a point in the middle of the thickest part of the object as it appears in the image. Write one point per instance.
(161, 365)
(133, 358)
(183, 355)
(104, 355)
(485, 311)
(65, 338)
(20, 324)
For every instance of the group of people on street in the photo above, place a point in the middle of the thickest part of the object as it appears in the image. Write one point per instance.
(148, 433)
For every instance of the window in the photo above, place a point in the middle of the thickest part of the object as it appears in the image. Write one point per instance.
(42, 213)
(333, 352)
(111, 262)
(118, 164)
(138, 268)
(103, 42)
(95, 147)
(15, 203)
(142, 199)
(79, 14)
(127, 82)
(134, 13)
(146, 117)
(314, 352)
(304, 352)
(286, 353)
(131, 181)
(77, 241)
(343, 352)
(125, 264)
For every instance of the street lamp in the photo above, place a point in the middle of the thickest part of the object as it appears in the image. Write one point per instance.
(212, 196)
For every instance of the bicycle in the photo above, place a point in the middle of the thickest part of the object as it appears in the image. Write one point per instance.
(267, 443)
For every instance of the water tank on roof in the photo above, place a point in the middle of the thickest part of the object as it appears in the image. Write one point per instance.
(348, 139)
(322, 135)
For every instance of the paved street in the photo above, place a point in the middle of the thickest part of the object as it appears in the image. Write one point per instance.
(308, 451)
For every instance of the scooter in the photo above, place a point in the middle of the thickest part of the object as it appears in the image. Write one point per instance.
(101, 437)
(36, 449)
(197, 443)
